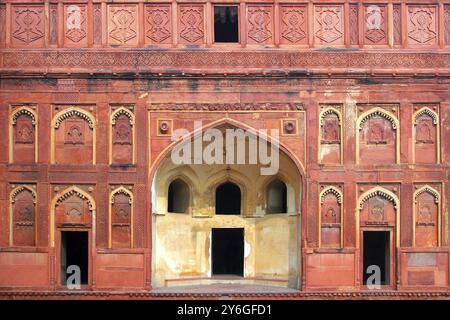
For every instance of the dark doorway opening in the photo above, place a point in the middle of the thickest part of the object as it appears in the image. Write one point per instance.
(74, 251)
(228, 199)
(376, 252)
(226, 28)
(228, 251)
(178, 199)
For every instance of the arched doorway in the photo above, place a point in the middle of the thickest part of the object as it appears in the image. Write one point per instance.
(227, 200)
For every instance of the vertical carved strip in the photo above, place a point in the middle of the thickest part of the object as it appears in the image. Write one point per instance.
(447, 24)
(97, 23)
(354, 24)
(2, 25)
(53, 36)
(397, 25)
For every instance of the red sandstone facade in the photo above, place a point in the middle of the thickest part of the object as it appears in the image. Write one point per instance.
(90, 96)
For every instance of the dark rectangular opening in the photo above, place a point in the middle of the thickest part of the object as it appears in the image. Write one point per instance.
(228, 251)
(226, 24)
(376, 253)
(74, 251)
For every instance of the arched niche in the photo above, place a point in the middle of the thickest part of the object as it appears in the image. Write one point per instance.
(426, 136)
(22, 216)
(377, 138)
(426, 217)
(228, 199)
(122, 137)
(121, 218)
(72, 207)
(178, 196)
(276, 197)
(378, 207)
(23, 136)
(73, 137)
(331, 218)
(330, 136)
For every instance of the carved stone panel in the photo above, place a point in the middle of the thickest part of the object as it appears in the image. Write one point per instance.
(354, 24)
(24, 135)
(328, 25)
(122, 25)
(422, 25)
(53, 24)
(191, 24)
(24, 223)
(75, 25)
(158, 28)
(97, 22)
(121, 221)
(27, 26)
(294, 25)
(426, 222)
(375, 24)
(260, 24)
(2, 24)
(447, 24)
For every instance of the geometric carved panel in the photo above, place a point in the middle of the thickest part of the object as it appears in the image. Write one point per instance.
(122, 25)
(293, 25)
(158, 26)
(328, 24)
(260, 25)
(75, 25)
(27, 26)
(422, 25)
(191, 24)
(73, 211)
(375, 24)
(378, 211)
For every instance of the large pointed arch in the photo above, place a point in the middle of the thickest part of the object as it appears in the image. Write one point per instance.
(67, 113)
(377, 111)
(60, 197)
(384, 193)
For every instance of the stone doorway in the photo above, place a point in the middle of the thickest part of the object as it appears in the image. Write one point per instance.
(75, 252)
(377, 253)
(227, 250)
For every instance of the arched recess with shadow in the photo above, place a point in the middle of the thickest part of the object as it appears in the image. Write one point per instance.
(229, 199)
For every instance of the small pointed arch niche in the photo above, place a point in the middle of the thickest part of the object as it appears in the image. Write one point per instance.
(73, 137)
(426, 138)
(228, 198)
(377, 137)
(179, 196)
(426, 217)
(121, 205)
(330, 135)
(22, 220)
(122, 136)
(276, 197)
(331, 217)
(23, 135)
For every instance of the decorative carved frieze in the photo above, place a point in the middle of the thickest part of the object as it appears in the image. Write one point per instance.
(224, 106)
